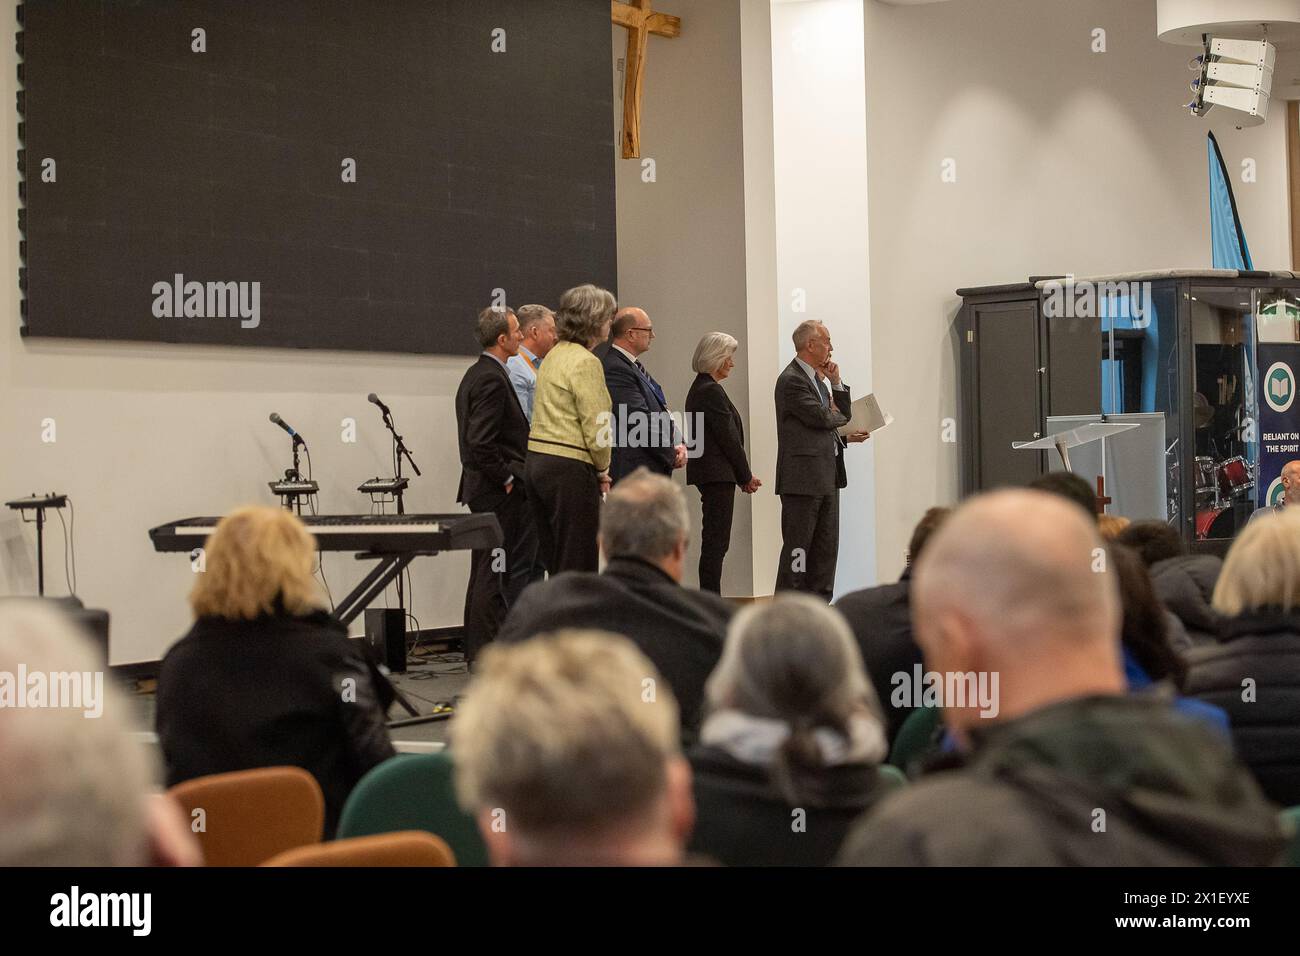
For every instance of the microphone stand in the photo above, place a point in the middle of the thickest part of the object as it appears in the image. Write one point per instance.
(399, 450)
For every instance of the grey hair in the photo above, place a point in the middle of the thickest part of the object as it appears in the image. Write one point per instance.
(583, 312)
(493, 322)
(644, 516)
(714, 349)
(530, 315)
(804, 332)
(75, 784)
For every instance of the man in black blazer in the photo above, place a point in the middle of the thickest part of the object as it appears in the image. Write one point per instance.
(493, 434)
(643, 533)
(810, 462)
(643, 434)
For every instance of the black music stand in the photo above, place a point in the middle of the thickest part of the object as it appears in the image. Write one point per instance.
(399, 484)
(38, 503)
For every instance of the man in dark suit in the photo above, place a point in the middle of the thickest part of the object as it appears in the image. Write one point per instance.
(644, 435)
(643, 532)
(493, 433)
(810, 462)
(881, 619)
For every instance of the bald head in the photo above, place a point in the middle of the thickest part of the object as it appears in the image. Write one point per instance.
(1291, 483)
(632, 330)
(1016, 582)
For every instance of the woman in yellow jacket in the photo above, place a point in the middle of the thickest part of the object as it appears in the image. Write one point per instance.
(567, 468)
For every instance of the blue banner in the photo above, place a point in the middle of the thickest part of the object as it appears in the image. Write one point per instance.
(1279, 417)
(1227, 238)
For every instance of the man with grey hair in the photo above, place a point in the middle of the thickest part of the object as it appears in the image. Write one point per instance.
(643, 537)
(1062, 766)
(77, 786)
(537, 326)
(564, 760)
(810, 462)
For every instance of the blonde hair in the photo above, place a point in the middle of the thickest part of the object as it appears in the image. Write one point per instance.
(566, 732)
(259, 561)
(1263, 566)
(1111, 526)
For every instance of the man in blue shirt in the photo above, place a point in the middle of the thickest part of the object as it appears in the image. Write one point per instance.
(537, 323)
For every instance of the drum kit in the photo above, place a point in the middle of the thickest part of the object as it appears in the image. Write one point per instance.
(1220, 484)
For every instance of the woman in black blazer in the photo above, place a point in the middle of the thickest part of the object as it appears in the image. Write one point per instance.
(721, 466)
(266, 676)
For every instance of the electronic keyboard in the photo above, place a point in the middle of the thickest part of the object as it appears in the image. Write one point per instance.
(372, 534)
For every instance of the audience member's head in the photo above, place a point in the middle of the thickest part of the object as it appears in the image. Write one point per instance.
(75, 783)
(715, 355)
(584, 315)
(499, 331)
(1154, 541)
(258, 562)
(930, 522)
(1010, 585)
(1262, 569)
(644, 516)
(566, 751)
(1144, 632)
(1111, 526)
(537, 326)
(812, 342)
(792, 664)
(1069, 486)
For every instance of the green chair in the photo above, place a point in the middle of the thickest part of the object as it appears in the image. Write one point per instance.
(891, 778)
(915, 737)
(413, 792)
(1291, 820)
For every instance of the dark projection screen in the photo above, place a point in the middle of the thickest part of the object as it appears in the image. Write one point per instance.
(481, 133)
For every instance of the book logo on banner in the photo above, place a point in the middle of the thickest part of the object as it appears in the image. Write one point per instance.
(1274, 495)
(1279, 386)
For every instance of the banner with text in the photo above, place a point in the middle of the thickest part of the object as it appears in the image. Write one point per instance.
(1279, 417)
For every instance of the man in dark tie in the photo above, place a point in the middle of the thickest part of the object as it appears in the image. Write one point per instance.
(493, 434)
(810, 462)
(642, 430)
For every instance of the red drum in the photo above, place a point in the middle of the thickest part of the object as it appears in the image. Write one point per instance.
(1234, 477)
(1214, 523)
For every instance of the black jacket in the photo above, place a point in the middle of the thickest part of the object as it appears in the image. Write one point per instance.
(881, 619)
(234, 695)
(493, 433)
(722, 449)
(742, 819)
(1264, 647)
(809, 451)
(638, 416)
(1169, 788)
(679, 629)
(1184, 585)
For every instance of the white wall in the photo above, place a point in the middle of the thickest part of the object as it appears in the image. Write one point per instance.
(819, 107)
(1067, 161)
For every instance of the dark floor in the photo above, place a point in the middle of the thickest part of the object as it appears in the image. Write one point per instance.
(429, 681)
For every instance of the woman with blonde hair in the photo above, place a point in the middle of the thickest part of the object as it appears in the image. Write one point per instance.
(266, 676)
(1254, 671)
(569, 445)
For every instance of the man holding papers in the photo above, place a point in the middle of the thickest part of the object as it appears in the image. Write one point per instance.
(811, 405)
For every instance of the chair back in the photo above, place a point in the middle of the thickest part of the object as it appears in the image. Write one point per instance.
(413, 792)
(410, 848)
(246, 817)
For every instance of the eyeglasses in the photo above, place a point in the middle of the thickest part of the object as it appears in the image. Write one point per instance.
(637, 328)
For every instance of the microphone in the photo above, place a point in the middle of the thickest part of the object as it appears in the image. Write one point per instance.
(297, 439)
(373, 399)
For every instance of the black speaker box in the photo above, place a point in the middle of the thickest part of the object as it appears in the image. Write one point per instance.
(386, 634)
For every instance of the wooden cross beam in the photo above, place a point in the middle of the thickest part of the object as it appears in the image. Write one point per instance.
(640, 21)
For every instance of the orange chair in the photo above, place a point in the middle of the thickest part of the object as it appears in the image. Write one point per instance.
(251, 815)
(408, 848)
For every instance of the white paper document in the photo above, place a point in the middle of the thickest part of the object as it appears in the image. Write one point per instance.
(867, 416)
